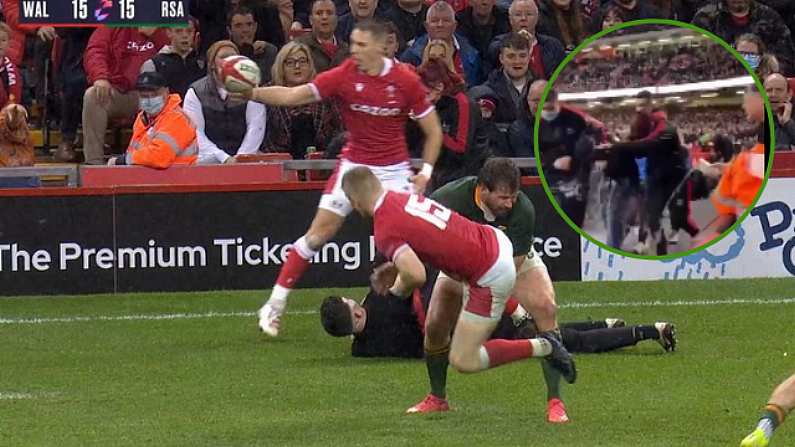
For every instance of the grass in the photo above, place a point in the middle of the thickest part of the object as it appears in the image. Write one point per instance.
(217, 382)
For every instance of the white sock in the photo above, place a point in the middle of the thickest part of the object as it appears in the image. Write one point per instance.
(303, 249)
(278, 299)
(541, 347)
(484, 358)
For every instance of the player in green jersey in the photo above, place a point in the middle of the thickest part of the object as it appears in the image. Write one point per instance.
(493, 198)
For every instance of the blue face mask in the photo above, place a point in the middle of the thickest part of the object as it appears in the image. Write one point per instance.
(752, 59)
(152, 106)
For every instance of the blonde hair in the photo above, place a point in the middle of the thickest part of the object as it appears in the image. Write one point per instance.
(277, 71)
(448, 53)
(6, 29)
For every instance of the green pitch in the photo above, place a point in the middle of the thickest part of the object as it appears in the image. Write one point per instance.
(117, 379)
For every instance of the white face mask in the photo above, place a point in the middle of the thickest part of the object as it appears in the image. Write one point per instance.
(549, 115)
(152, 106)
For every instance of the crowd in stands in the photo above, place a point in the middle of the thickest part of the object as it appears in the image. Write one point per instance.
(658, 66)
(477, 58)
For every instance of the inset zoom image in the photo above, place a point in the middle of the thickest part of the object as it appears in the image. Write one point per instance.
(651, 140)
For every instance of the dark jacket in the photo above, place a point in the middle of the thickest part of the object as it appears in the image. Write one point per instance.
(642, 10)
(225, 124)
(293, 129)
(665, 155)
(563, 136)
(763, 21)
(345, 26)
(319, 56)
(785, 134)
(179, 73)
(548, 25)
(410, 25)
(464, 144)
(520, 136)
(552, 52)
(211, 15)
(264, 59)
(499, 87)
(480, 36)
(468, 54)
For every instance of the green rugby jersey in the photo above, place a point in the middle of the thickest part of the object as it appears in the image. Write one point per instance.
(518, 225)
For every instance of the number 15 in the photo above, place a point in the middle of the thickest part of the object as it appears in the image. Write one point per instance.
(127, 11)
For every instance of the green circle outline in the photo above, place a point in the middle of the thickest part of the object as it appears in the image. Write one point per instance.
(587, 42)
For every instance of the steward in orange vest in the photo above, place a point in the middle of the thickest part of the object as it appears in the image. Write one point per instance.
(162, 134)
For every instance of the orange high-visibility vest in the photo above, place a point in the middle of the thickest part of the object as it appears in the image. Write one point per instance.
(170, 139)
(740, 182)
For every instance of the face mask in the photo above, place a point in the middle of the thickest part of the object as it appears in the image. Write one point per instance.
(548, 115)
(152, 106)
(752, 59)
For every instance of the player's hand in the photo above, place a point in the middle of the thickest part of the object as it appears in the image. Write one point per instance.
(102, 89)
(259, 46)
(420, 182)
(383, 277)
(703, 237)
(46, 33)
(563, 163)
(241, 96)
(786, 113)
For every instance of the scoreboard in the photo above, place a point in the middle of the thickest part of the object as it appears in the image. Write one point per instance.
(74, 13)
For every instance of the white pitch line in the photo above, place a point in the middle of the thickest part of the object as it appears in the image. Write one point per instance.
(15, 395)
(190, 316)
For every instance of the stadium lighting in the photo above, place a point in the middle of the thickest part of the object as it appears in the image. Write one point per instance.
(740, 92)
(623, 45)
(605, 47)
(709, 95)
(666, 40)
(644, 42)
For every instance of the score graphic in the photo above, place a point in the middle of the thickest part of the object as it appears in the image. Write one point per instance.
(75, 13)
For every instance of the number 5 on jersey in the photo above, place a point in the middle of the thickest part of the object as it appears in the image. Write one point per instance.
(428, 210)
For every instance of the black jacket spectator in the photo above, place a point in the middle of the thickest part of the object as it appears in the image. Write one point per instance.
(507, 99)
(520, 135)
(480, 36)
(410, 24)
(179, 73)
(264, 59)
(464, 144)
(642, 10)
(550, 49)
(578, 23)
(761, 20)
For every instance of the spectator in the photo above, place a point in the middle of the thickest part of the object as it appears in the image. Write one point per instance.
(441, 24)
(751, 48)
(359, 10)
(242, 29)
(777, 89)
(546, 52)
(509, 83)
(224, 128)
(563, 20)
(327, 51)
(71, 80)
(10, 79)
(612, 16)
(520, 134)
(464, 141)
(213, 21)
(18, 32)
(784, 8)
(409, 17)
(481, 22)
(394, 43)
(112, 61)
(627, 9)
(294, 129)
(178, 62)
(732, 18)
(162, 134)
(565, 148)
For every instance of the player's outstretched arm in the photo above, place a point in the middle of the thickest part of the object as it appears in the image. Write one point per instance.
(432, 128)
(282, 96)
(411, 272)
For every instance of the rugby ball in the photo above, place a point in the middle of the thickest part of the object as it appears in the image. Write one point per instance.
(240, 73)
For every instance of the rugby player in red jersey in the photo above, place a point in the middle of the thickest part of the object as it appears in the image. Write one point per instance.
(377, 97)
(410, 229)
